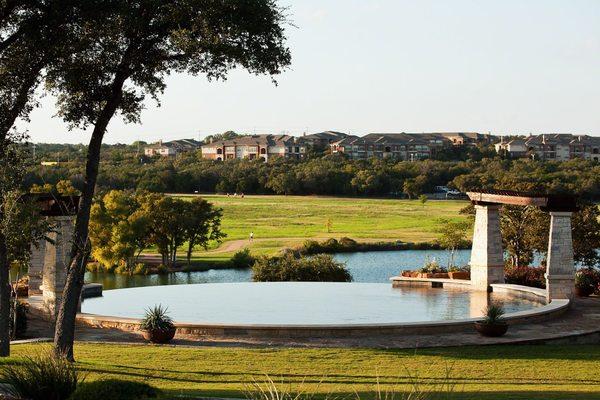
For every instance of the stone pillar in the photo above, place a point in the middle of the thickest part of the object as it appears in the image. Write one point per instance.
(487, 255)
(36, 266)
(56, 260)
(560, 268)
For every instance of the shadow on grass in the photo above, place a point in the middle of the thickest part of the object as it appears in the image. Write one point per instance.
(495, 395)
(509, 351)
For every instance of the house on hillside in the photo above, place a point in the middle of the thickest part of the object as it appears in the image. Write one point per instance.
(263, 147)
(401, 146)
(552, 147)
(172, 148)
(322, 140)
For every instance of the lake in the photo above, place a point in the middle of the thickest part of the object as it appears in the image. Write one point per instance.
(367, 267)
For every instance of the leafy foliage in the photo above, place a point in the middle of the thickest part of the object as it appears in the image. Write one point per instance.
(287, 268)
(588, 279)
(242, 259)
(157, 319)
(114, 389)
(526, 276)
(493, 314)
(41, 378)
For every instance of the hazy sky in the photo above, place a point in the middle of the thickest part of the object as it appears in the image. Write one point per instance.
(364, 66)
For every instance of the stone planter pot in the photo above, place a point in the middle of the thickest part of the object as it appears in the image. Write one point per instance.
(583, 291)
(159, 336)
(460, 275)
(491, 330)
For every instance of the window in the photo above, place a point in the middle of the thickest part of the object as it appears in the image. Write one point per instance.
(388, 149)
(297, 149)
(263, 151)
(219, 151)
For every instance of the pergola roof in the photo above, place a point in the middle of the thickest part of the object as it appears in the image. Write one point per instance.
(53, 205)
(547, 202)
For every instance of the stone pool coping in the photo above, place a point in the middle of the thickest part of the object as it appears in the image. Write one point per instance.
(212, 330)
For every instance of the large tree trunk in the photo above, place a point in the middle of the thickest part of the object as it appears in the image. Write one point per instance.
(8, 115)
(64, 334)
(5, 293)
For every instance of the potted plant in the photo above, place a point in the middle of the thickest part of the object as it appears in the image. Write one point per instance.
(586, 282)
(158, 327)
(455, 272)
(493, 324)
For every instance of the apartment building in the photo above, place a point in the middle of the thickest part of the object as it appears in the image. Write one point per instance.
(262, 147)
(172, 148)
(552, 146)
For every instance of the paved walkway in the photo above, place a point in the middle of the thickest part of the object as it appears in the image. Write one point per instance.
(581, 324)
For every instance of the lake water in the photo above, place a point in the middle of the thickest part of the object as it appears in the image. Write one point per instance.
(301, 303)
(367, 267)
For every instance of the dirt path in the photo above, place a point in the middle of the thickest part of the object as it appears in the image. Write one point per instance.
(239, 244)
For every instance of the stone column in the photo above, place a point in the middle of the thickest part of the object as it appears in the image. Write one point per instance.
(560, 268)
(36, 266)
(487, 255)
(56, 260)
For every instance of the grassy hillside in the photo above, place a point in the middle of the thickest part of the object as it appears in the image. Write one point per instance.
(280, 221)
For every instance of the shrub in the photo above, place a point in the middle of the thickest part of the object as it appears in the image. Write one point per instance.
(432, 267)
(140, 269)
(242, 259)
(348, 243)
(493, 314)
(318, 268)
(588, 280)
(156, 319)
(114, 389)
(526, 276)
(162, 269)
(21, 309)
(311, 247)
(40, 378)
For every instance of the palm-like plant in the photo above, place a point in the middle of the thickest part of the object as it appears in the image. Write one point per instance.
(156, 319)
(493, 314)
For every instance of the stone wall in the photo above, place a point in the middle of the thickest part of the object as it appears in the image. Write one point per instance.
(487, 255)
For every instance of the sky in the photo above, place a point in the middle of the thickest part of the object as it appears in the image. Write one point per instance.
(360, 66)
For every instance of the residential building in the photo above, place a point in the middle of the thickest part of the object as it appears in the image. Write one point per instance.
(262, 147)
(323, 140)
(172, 148)
(401, 146)
(552, 146)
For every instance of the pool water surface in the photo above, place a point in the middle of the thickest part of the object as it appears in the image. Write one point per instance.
(301, 303)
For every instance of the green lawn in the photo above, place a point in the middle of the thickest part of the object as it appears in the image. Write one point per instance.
(487, 372)
(282, 221)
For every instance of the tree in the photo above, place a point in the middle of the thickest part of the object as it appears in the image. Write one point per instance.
(141, 44)
(202, 225)
(119, 229)
(20, 225)
(168, 226)
(66, 188)
(423, 199)
(453, 235)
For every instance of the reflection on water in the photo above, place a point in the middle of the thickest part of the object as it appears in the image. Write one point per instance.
(301, 303)
(370, 267)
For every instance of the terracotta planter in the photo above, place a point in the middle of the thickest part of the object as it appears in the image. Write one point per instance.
(407, 274)
(583, 291)
(415, 274)
(425, 275)
(460, 275)
(491, 330)
(441, 275)
(159, 336)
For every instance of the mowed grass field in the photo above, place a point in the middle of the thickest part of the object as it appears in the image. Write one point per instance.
(486, 372)
(283, 221)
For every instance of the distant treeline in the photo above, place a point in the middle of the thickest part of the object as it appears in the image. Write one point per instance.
(123, 168)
